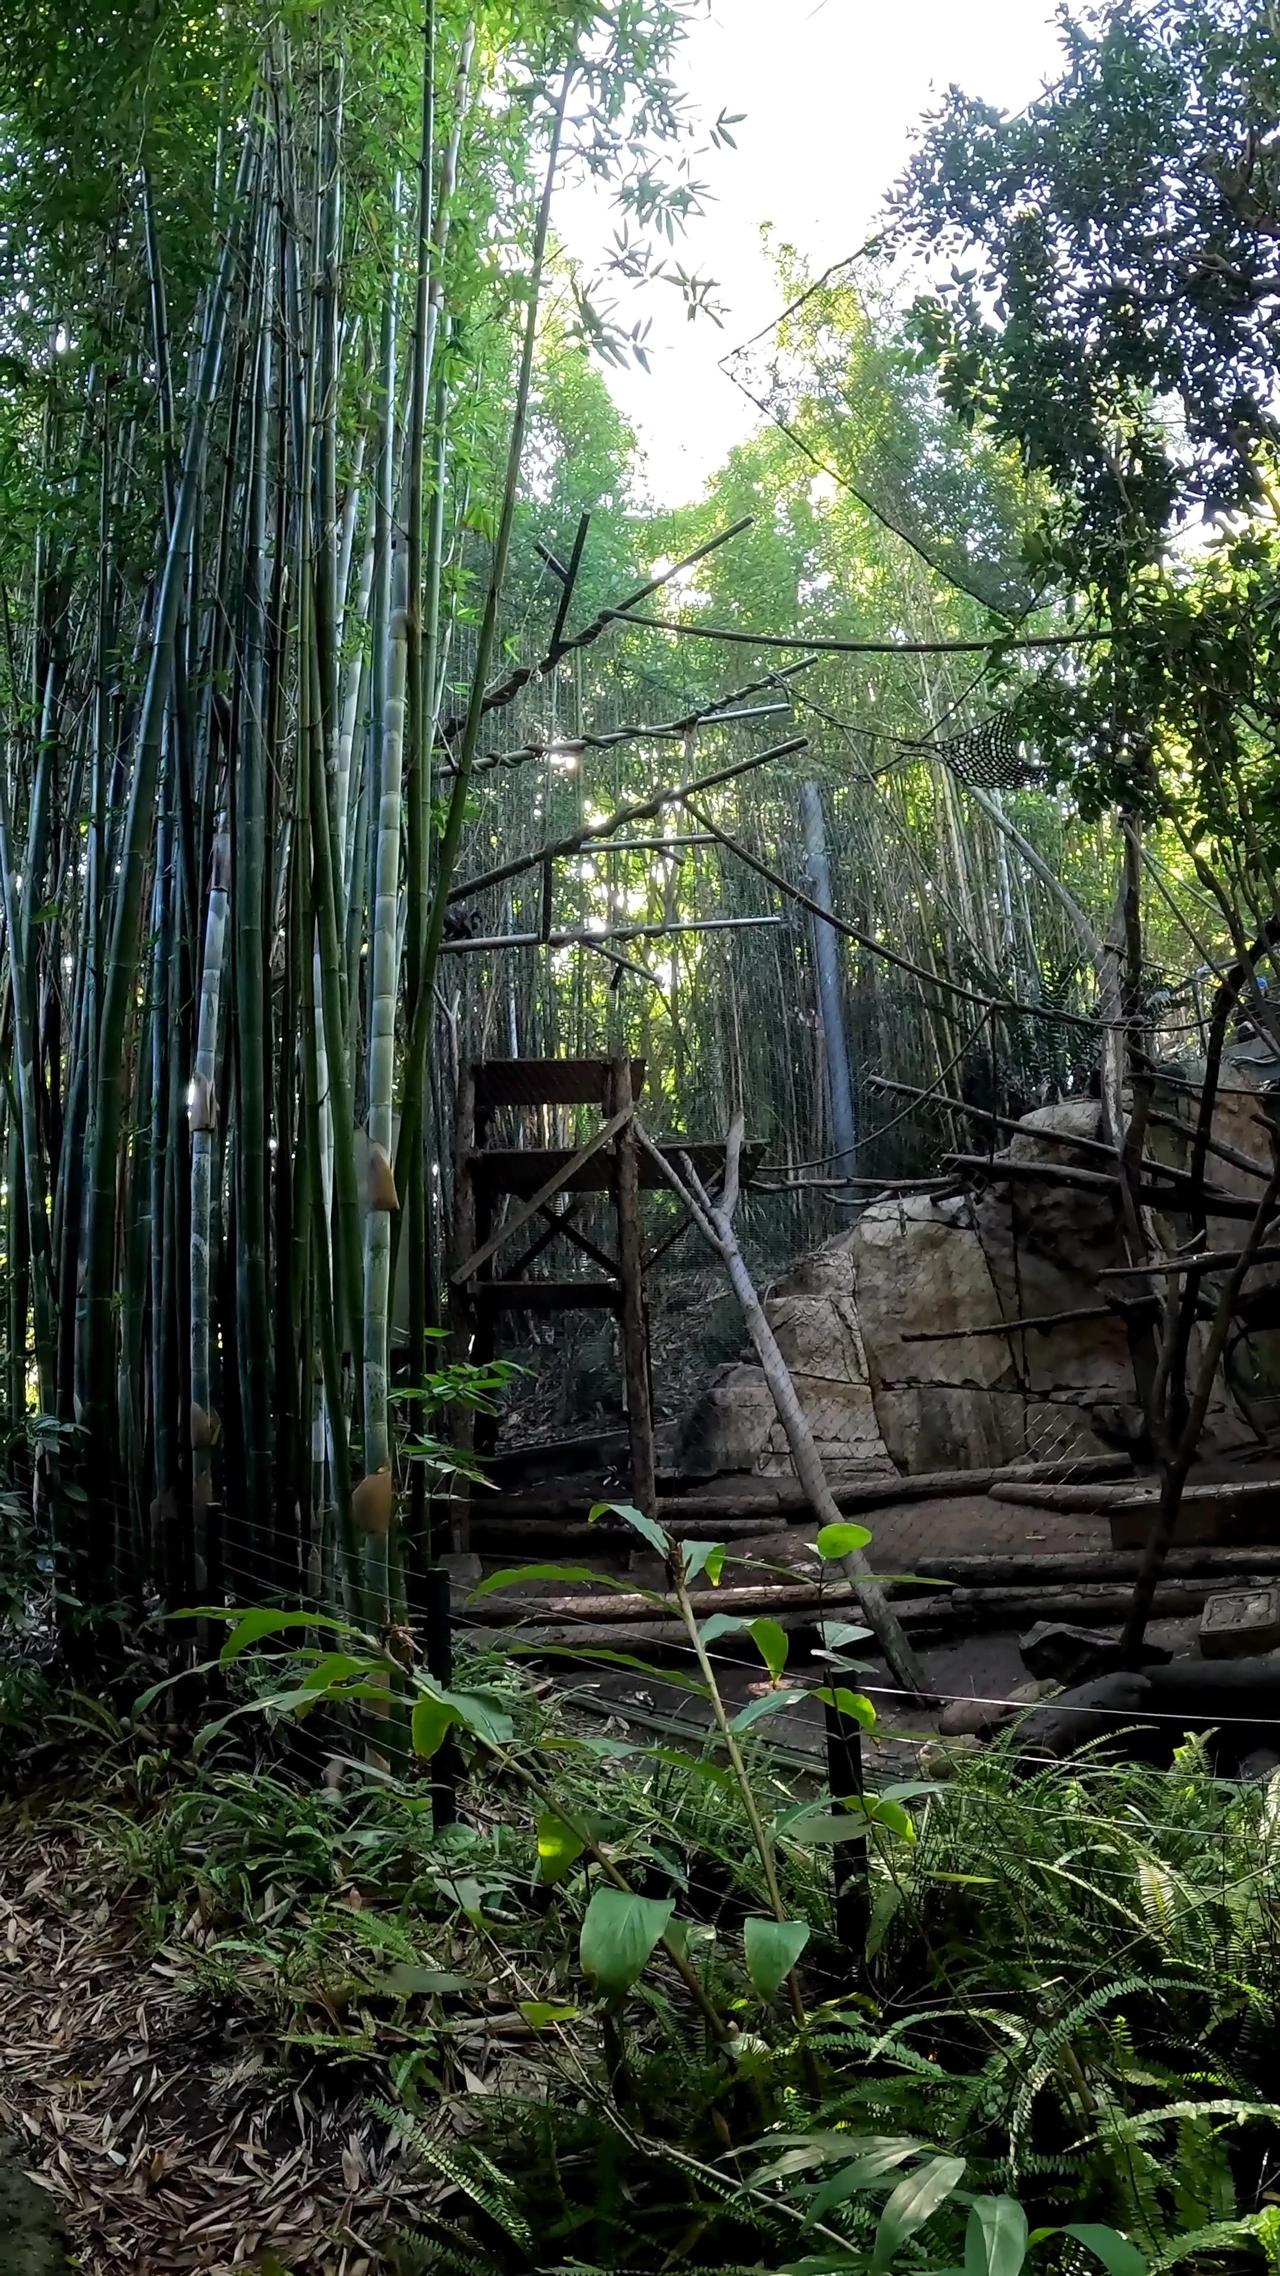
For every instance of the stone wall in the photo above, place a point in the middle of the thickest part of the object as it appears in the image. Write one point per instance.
(890, 1333)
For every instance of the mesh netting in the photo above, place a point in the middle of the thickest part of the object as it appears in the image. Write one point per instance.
(835, 374)
(991, 756)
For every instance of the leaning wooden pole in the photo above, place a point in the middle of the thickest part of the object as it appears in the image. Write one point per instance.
(714, 1221)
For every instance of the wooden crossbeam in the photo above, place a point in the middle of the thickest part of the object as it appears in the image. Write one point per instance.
(547, 1192)
(580, 1240)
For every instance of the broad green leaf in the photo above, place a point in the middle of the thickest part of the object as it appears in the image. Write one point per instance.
(512, 1576)
(768, 1703)
(850, 1703)
(771, 1641)
(995, 2241)
(703, 1557)
(722, 1624)
(836, 1634)
(912, 2203)
(619, 1932)
(836, 1541)
(251, 1627)
(544, 2013)
(878, 2156)
(1118, 2256)
(817, 1830)
(647, 1527)
(559, 1848)
(772, 1949)
(479, 1716)
(433, 1718)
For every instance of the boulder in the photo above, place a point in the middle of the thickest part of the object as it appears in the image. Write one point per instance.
(728, 1425)
(888, 1328)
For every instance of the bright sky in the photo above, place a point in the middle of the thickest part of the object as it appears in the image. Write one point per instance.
(832, 91)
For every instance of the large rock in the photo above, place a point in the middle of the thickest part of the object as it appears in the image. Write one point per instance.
(889, 1328)
(728, 1425)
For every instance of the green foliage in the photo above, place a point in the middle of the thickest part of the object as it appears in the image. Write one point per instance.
(1060, 2038)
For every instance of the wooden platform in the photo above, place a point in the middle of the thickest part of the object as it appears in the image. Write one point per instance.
(525, 1170)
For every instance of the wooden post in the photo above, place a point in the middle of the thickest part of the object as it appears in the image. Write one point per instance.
(715, 1225)
(462, 1317)
(632, 1322)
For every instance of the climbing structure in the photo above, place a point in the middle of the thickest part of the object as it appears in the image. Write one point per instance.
(546, 1185)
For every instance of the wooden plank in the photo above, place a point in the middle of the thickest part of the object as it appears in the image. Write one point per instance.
(567, 1165)
(547, 1295)
(563, 1225)
(516, 1169)
(549, 1082)
(632, 1322)
(462, 1319)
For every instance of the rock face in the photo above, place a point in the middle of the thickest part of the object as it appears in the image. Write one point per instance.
(890, 1329)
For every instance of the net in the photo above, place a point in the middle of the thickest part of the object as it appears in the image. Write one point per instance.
(989, 757)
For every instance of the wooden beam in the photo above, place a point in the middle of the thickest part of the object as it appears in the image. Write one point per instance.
(529, 1209)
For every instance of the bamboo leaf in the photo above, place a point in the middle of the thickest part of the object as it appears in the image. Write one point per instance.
(912, 2203)
(769, 1703)
(251, 1627)
(995, 2241)
(647, 1527)
(515, 1576)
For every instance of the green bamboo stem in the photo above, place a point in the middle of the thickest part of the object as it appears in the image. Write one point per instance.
(33, 1169)
(202, 1110)
(94, 1337)
(416, 1053)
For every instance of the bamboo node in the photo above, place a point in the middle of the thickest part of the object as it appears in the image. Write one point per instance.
(372, 1502)
(206, 1427)
(382, 1184)
(202, 1104)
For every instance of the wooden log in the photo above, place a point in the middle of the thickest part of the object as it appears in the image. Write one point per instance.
(1034, 1579)
(1105, 1500)
(973, 1610)
(749, 1504)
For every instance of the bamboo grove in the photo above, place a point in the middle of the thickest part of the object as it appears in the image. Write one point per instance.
(250, 403)
(319, 580)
